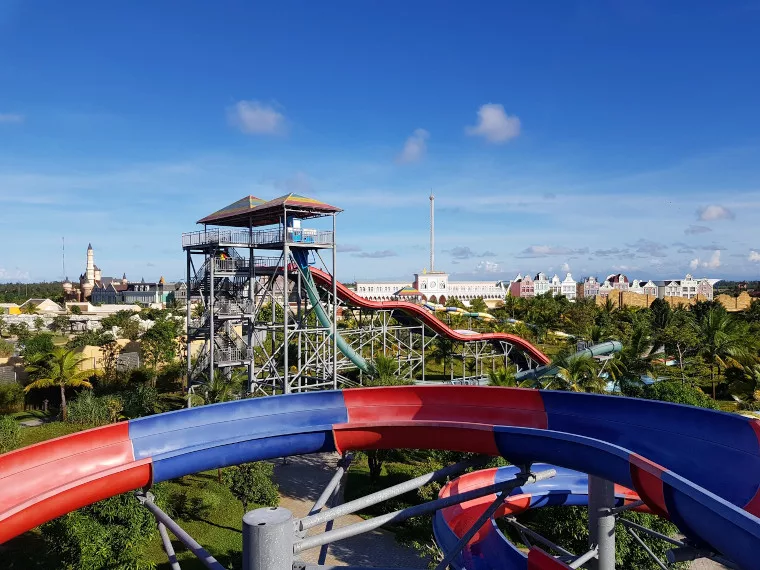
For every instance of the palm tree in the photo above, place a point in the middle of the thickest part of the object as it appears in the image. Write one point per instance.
(578, 374)
(725, 341)
(502, 377)
(443, 351)
(634, 360)
(30, 309)
(59, 368)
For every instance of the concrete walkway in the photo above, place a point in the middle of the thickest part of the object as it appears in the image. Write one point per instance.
(302, 480)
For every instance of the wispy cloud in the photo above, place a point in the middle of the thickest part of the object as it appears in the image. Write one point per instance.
(712, 263)
(376, 254)
(415, 147)
(694, 230)
(754, 256)
(714, 212)
(649, 247)
(347, 248)
(9, 118)
(549, 250)
(612, 251)
(256, 118)
(465, 252)
(494, 124)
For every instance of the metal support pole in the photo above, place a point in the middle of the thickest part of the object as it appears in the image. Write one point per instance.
(268, 539)
(168, 548)
(415, 511)
(212, 260)
(583, 558)
(482, 519)
(648, 550)
(188, 316)
(374, 498)
(601, 521)
(331, 486)
(285, 308)
(201, 553)
(334, 311)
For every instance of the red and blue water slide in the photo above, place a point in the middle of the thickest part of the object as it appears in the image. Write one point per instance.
(489, 548)
(698, 468)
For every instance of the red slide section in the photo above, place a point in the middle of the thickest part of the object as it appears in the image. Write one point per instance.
(422, 314)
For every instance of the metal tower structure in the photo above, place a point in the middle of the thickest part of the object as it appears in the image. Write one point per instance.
(245, 268)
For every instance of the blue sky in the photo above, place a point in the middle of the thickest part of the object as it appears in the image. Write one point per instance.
(595, 135)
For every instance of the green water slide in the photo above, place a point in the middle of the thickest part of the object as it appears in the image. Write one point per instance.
(601, 349)
(302, 260)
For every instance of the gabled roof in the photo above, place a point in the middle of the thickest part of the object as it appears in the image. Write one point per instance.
(252, 211)
(239, 208)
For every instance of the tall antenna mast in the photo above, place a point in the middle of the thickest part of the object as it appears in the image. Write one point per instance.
(432, 231)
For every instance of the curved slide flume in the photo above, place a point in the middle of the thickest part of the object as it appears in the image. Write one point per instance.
(421, 314)
(489, 548)
(697, 467)
(601, 349)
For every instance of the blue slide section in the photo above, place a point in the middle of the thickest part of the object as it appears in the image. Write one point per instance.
(208, 437)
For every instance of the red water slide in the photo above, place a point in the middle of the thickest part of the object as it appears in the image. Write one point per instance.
(421, 314)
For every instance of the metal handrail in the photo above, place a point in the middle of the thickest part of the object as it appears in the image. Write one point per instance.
(258, 237)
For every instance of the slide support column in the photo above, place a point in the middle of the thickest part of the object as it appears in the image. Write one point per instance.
(601, 521)
(268, 536)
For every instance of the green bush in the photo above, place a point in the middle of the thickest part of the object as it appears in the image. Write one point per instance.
(251, 484)
(40, 343)
(90, 410)
(6, 348)
(11, 398)
(139, 401)
(113, 533)
(677, 393)
(10, 434)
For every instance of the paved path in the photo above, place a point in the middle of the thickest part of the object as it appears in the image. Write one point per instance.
(301, 481)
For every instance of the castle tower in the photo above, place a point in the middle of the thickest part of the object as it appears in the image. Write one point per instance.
(90, 271)
(124, 279)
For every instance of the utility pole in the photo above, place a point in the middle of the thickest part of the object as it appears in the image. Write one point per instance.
(432, 232)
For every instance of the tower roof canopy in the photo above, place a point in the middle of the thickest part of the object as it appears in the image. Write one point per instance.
(238, 209)
(252, 211)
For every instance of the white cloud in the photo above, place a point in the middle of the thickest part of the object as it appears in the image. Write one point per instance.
(487, 267)
(712, 263)
(256, 118)
(415, 147)
(754, 256)
(494, 124)
(11, 118)
(565, 267)
(694, 230)
(714, 212)
(544, 250)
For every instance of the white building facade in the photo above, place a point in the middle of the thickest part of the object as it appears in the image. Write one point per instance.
(434, 287)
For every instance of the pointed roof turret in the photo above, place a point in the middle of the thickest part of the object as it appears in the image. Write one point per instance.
(124, 276)
(89, 247)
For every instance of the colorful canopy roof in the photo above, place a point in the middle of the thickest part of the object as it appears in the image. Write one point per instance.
(410, 291)
(252, 211)
(240, 208)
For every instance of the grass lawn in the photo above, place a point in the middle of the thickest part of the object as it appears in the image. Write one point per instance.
(32, 415)
(32, 435)
(211, 515)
